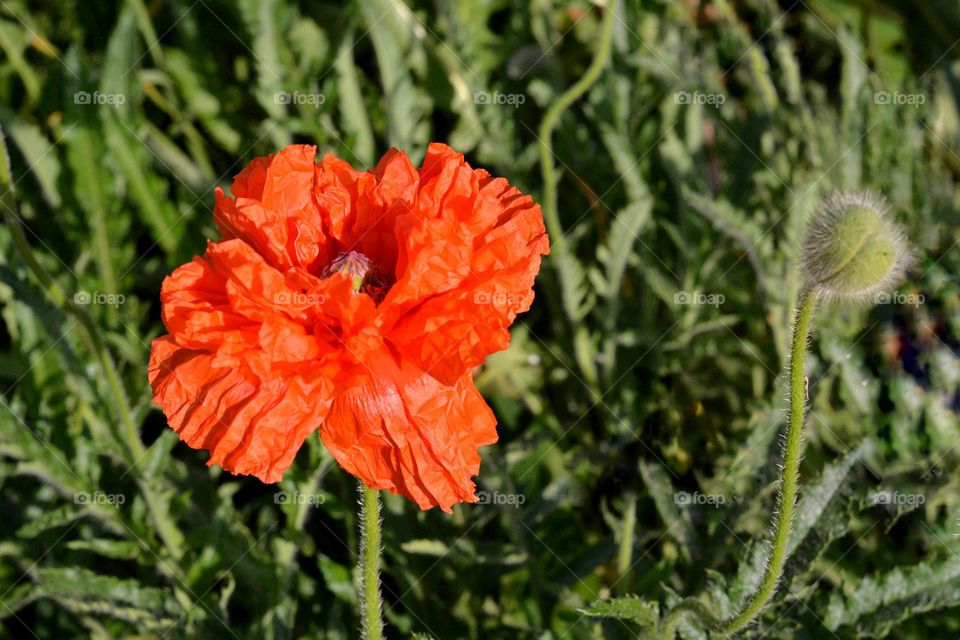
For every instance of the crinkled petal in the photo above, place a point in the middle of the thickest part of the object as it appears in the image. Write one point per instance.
(255, 356)
(249, 182)
(231, 301)
(468, 272)
(273, 209)
(360, 208)
(197, 310)
(250, 425)
(405, 432)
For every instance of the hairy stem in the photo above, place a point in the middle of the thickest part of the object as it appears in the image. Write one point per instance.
(370, 608)
(786, 501)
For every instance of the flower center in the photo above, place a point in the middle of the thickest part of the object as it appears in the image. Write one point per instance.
(353, 263)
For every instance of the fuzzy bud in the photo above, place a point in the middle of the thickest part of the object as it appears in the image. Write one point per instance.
(853, 249)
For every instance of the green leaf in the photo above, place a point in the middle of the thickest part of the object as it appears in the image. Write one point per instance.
(147, 189)
(265, 19)
(338, 579)
(116, 549)
(615, 253)
(407, 107)
(632, 608)
(92, 189)
(39, 155)
(816, 525)
(356, 120)
(876, 604)
(13, 41)
(84, 591)
(49, 520)
(435, 548)
(817, 498)
(675, 521)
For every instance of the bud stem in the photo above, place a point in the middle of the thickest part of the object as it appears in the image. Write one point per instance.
(786, 501)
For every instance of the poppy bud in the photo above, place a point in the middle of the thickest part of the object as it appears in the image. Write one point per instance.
(852, 248)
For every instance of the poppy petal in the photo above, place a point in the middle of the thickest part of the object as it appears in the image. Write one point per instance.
(456, 299)
(250, 425)
(274, 211)
(405, 432)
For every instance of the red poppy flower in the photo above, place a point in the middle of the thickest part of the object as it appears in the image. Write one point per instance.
(356, 303)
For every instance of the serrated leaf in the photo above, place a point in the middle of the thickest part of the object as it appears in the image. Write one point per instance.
(632, 608)
(623, 235)
(147, 189)
(356, 120)
(875, 604)
(54, 518)
(810, 534)
(406, 105)
(816, 498)
(84, 591)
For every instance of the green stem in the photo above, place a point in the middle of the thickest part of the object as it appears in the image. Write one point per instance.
(370, 608)
(625, 556)
(786, 502)
(559, 251)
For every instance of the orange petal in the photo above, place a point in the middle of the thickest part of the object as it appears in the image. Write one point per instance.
(360, 208)
(406, 433)
(197, 310)
(250, 425)
(273, 209)
(467, 273)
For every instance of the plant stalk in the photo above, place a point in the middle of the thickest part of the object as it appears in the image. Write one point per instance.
(371, 611)
(786, 501)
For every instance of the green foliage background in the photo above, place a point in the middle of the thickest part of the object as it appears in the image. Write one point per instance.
(614, 395)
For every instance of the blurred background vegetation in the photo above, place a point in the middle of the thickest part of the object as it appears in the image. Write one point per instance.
(639, 403)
